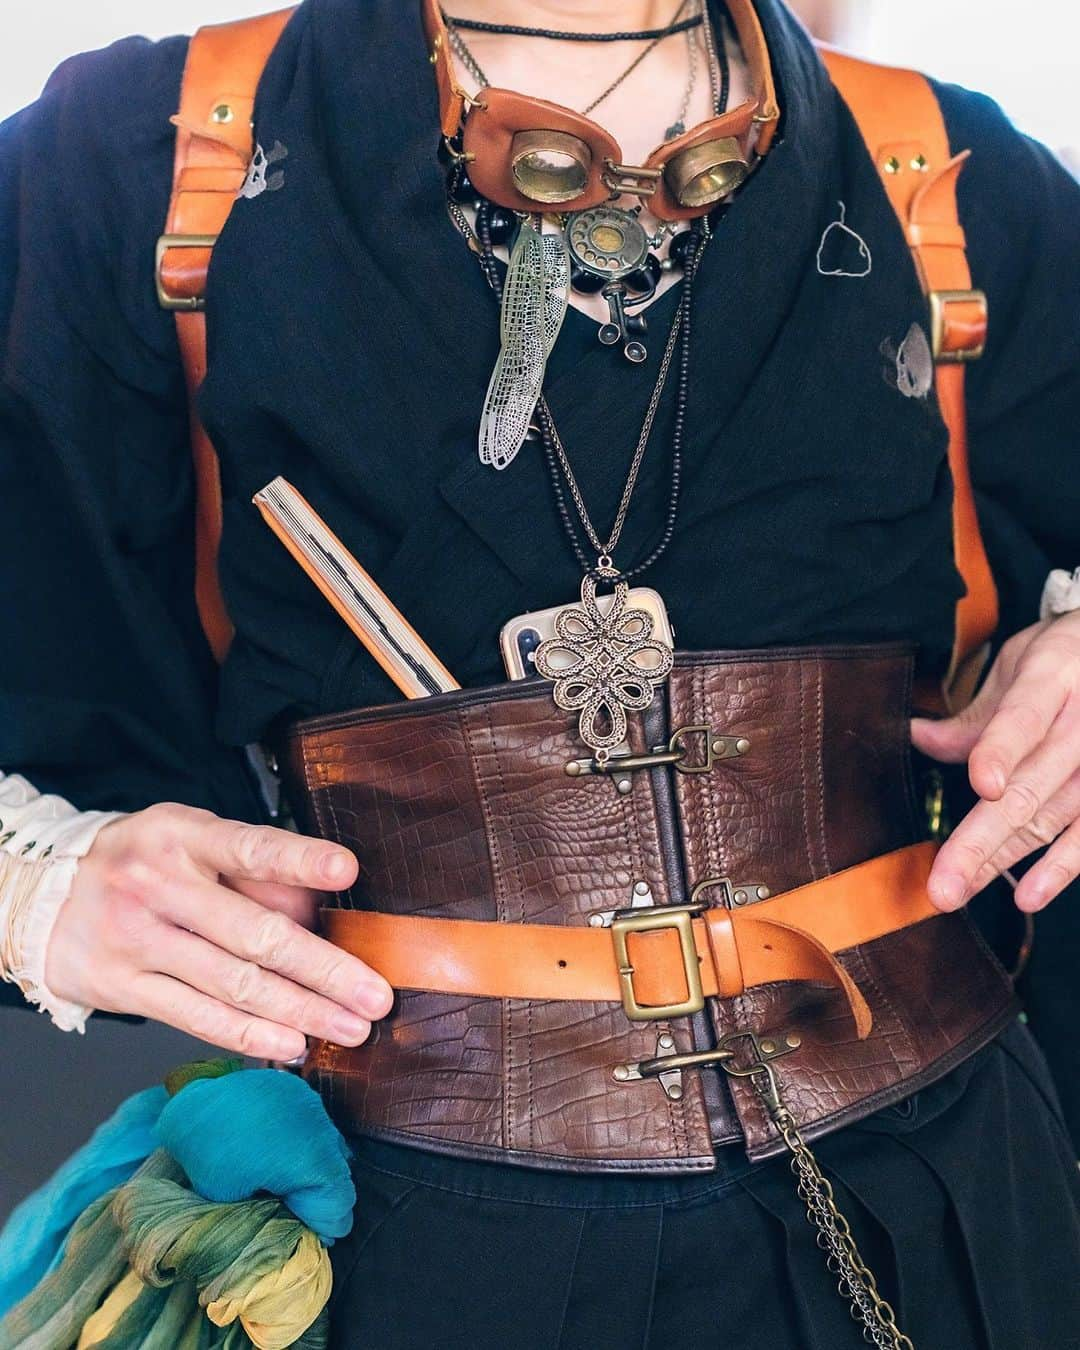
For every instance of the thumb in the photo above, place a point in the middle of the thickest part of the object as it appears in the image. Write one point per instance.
(952, 739)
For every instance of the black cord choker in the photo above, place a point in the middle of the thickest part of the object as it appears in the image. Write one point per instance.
(516, 30)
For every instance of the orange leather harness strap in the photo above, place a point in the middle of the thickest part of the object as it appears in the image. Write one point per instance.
(213, 150)
(657, 962)
(919, 173)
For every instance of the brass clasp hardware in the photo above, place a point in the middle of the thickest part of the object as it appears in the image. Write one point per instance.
(670, 1076)
(675, 753)
(758, 1066)
(630, 179)
(764, 1049)
(937, 822)
(735, 893)
(680, 919)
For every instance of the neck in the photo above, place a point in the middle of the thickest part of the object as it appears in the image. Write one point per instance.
(582, 16)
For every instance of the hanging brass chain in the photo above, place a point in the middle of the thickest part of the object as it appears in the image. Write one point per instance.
(855, 1279)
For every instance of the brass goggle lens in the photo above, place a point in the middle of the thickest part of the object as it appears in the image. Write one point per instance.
(705, 173)
(550, 166)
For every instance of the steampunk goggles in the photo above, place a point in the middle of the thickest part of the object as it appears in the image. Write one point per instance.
(527, 154)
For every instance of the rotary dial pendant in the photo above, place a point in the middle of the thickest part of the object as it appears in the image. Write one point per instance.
(610, 243)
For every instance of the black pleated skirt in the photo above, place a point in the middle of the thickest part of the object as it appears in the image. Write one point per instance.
(964, 1199)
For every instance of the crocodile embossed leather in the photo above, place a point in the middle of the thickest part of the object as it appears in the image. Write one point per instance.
(751, 774)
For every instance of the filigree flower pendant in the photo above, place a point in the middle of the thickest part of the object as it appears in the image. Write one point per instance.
(604, 662)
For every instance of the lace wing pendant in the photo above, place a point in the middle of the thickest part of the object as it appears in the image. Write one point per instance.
(533, 310)
(604, 663)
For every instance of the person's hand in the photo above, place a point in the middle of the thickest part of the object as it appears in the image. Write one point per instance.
(180, 916)
(1021, 737)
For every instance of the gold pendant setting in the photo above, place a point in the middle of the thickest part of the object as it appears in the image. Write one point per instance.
(604, 662)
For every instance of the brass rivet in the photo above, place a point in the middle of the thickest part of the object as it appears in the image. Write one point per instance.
(433, 55)
(674, 1092)
(740, 897)
(892, 165)
(742, 745)
(574, 768)
(222, 114)
(763, 892)
(620, 1073)
(641, 888)
(768, 1047)
(920, 164)
(793, 1042)
(625, 786)
(596, 921)
(667, 1042)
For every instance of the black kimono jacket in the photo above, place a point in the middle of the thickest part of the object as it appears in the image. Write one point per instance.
(351, 339)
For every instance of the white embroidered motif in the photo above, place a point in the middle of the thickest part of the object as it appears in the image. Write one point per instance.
(258, 180)
(834, 255)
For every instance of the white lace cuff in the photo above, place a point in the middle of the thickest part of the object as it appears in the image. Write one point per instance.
(42, 839)
(1061, 594)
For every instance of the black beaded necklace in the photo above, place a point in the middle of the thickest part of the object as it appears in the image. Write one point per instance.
(516, 30)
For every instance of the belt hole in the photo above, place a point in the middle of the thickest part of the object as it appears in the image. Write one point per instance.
(562, 965)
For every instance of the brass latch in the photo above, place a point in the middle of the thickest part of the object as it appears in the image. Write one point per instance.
(676, 753)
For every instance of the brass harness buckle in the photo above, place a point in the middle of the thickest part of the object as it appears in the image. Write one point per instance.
(939, 320)
(677, 917)
(164, 244)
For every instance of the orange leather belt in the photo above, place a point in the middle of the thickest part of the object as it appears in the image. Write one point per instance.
(660, 962)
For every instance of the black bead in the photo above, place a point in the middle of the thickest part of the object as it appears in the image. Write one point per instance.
(587, 283)
(461, 188)
(499, 223)
(681, 245)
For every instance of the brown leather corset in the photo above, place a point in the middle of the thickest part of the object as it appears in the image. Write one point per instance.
(462, 806)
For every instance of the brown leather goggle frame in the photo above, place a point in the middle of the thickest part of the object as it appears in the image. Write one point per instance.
(496, 128)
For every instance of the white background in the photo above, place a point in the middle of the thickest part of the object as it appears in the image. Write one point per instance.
(1027, 55)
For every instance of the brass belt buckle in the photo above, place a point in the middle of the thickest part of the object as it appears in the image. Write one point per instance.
(680, 918)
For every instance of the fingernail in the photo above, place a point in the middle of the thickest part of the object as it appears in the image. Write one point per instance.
(375, 1000)
(336, 867)
(1033, 898)
(350, 1030)
(996, 774)
(287, 1049)
(946, 892)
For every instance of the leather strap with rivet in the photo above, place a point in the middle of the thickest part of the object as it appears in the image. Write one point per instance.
(919, 172)
(659, 962)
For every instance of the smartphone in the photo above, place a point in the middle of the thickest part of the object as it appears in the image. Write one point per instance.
(521, 636)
